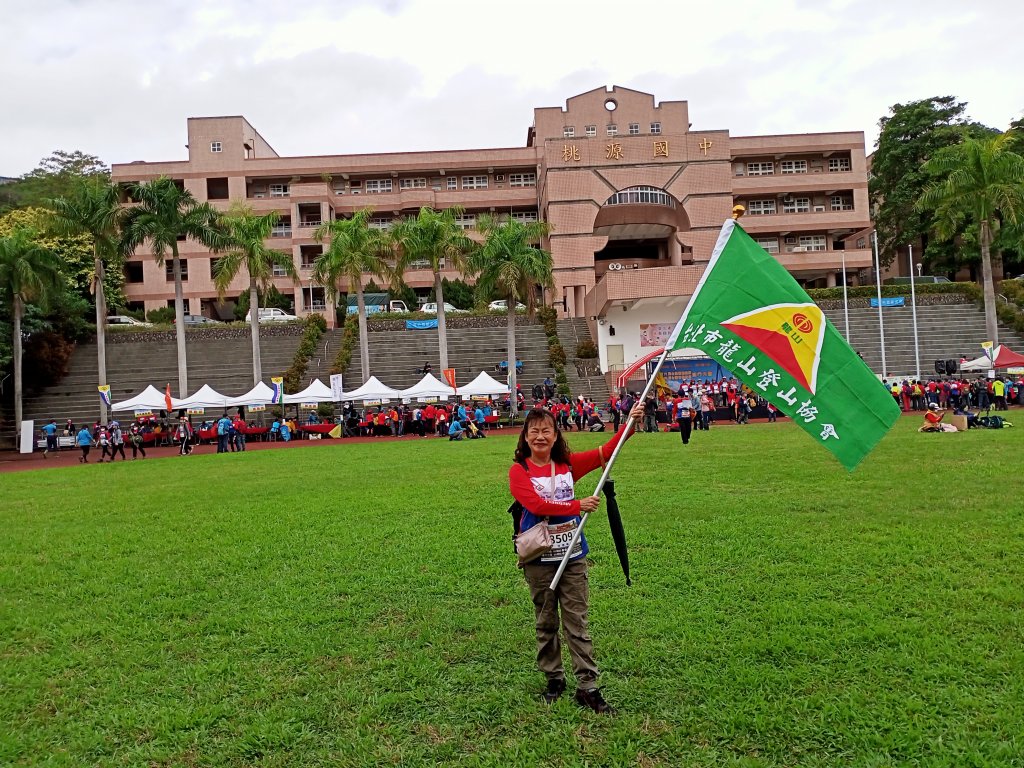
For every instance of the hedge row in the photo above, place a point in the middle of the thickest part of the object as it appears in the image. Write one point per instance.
(349, 337)
(314, 327)
(871, 291)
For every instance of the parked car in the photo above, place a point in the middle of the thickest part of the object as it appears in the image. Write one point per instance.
(127, 320)
(917, 279)
(501, 305)
(201, 320)
(272, 315)
(431, 309)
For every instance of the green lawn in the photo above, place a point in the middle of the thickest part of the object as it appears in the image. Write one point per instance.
(356, 605)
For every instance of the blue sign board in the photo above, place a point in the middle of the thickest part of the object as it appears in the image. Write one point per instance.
(420, 325)
(891, 301)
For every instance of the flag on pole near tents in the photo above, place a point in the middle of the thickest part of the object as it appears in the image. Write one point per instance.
(167, 398)
(752, 317)
(104, 390)
(277, 385)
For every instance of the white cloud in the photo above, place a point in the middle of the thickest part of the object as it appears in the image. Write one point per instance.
(119, 78)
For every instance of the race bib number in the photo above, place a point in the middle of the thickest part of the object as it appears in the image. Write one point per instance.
(561, 535)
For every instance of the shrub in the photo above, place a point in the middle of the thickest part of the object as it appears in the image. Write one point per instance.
(870, 291)
(325, 410)
(586, 350)
(314, 325)
(161, 315)
(556, 355)
(560, 377)
(46, 358)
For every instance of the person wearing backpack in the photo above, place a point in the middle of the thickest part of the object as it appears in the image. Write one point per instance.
(223, 433)
(135, 439)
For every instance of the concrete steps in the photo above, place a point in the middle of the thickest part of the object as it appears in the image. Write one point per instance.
(944, 331)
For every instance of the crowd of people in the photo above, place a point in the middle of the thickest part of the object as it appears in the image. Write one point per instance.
(950, 393)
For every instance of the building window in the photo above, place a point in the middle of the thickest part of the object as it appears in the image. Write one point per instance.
(279, 190)
(524, 216)
(642, 194)
(812, 242)
(568, 131)
(793, 166)
(760, 169)
(283, 228)
(169, 269)
(216, 146)
(634, 129)
(591, 130)
(841, 203)
(381, 222)
(278, 271)
(474, 182)
(133, 272)
(760, 207)
(796, 205)
(466, 220)
(522, 179)
(419, 183)
(453, 182)
(217, 189)
(838, 164)
(213, 267)
(612, 129)
(376, 186)
(770, 244)
(655, 128)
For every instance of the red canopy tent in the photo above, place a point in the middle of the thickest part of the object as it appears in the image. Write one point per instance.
(1007, 358)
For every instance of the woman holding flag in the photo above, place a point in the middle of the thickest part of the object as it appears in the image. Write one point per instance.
(542, 481)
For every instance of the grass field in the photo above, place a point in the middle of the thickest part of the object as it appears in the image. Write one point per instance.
(358, 605)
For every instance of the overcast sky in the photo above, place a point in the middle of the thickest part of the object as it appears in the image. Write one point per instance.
(118, 79)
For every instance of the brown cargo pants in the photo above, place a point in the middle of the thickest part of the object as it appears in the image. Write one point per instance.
(572, 597)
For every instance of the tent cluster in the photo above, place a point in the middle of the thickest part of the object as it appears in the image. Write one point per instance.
(427, 388)
(1002, 357)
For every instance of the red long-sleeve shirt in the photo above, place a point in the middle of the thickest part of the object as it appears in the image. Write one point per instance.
(521, 481)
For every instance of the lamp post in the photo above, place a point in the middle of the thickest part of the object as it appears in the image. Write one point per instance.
(913, 307)
(878, 286)
(846, 306)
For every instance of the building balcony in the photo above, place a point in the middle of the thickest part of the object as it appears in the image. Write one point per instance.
(813, 221)
(782, 183)
(798, 261)
(629, 287)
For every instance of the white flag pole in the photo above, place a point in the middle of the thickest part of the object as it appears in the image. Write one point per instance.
(607, 471)
(723, 238)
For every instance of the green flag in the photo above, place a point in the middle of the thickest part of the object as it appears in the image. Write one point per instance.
(751, 316)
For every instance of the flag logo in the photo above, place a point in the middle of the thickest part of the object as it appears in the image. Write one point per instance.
(790, 334)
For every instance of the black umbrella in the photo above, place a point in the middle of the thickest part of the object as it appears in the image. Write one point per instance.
(618, 532)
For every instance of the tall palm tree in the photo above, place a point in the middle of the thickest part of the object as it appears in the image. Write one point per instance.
(508, 264)
(93, 208)
(164, 213)
(983, 184)
(436, 238)
(29, 272)
(245, 239)
(355, 248)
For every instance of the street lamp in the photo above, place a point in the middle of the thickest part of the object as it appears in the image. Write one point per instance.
(913, 306)
(878, 285)
(846, 306)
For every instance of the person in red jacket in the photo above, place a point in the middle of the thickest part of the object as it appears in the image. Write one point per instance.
(542, 481)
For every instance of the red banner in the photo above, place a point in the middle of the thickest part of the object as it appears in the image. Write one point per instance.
(449, 376)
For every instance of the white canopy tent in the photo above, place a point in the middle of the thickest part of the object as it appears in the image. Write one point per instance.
(484, 385)
(428, 387)
(149, 399)
(373, 390)
(261, 394)
(206, 397)
(317, 392)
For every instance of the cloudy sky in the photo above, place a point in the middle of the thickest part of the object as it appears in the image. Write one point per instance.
(118, 79)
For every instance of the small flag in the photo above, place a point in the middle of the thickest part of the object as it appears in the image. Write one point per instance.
(336, 432)
(449, 376)
(753, 318)
(104, 390)
(337, 387)
(277, 384)
(167, 398)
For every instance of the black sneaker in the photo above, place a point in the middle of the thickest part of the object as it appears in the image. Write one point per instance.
(593, 699)
(556, 687)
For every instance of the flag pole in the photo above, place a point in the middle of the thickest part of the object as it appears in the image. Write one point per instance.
(607, 471)
(737, 212)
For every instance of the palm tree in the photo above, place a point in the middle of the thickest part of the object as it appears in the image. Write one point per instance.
(166, 212)
(436, 238)
(28, 272)
(246, 238)
(983, 184)
(508, 264)
(355, 248)
(93, 208)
